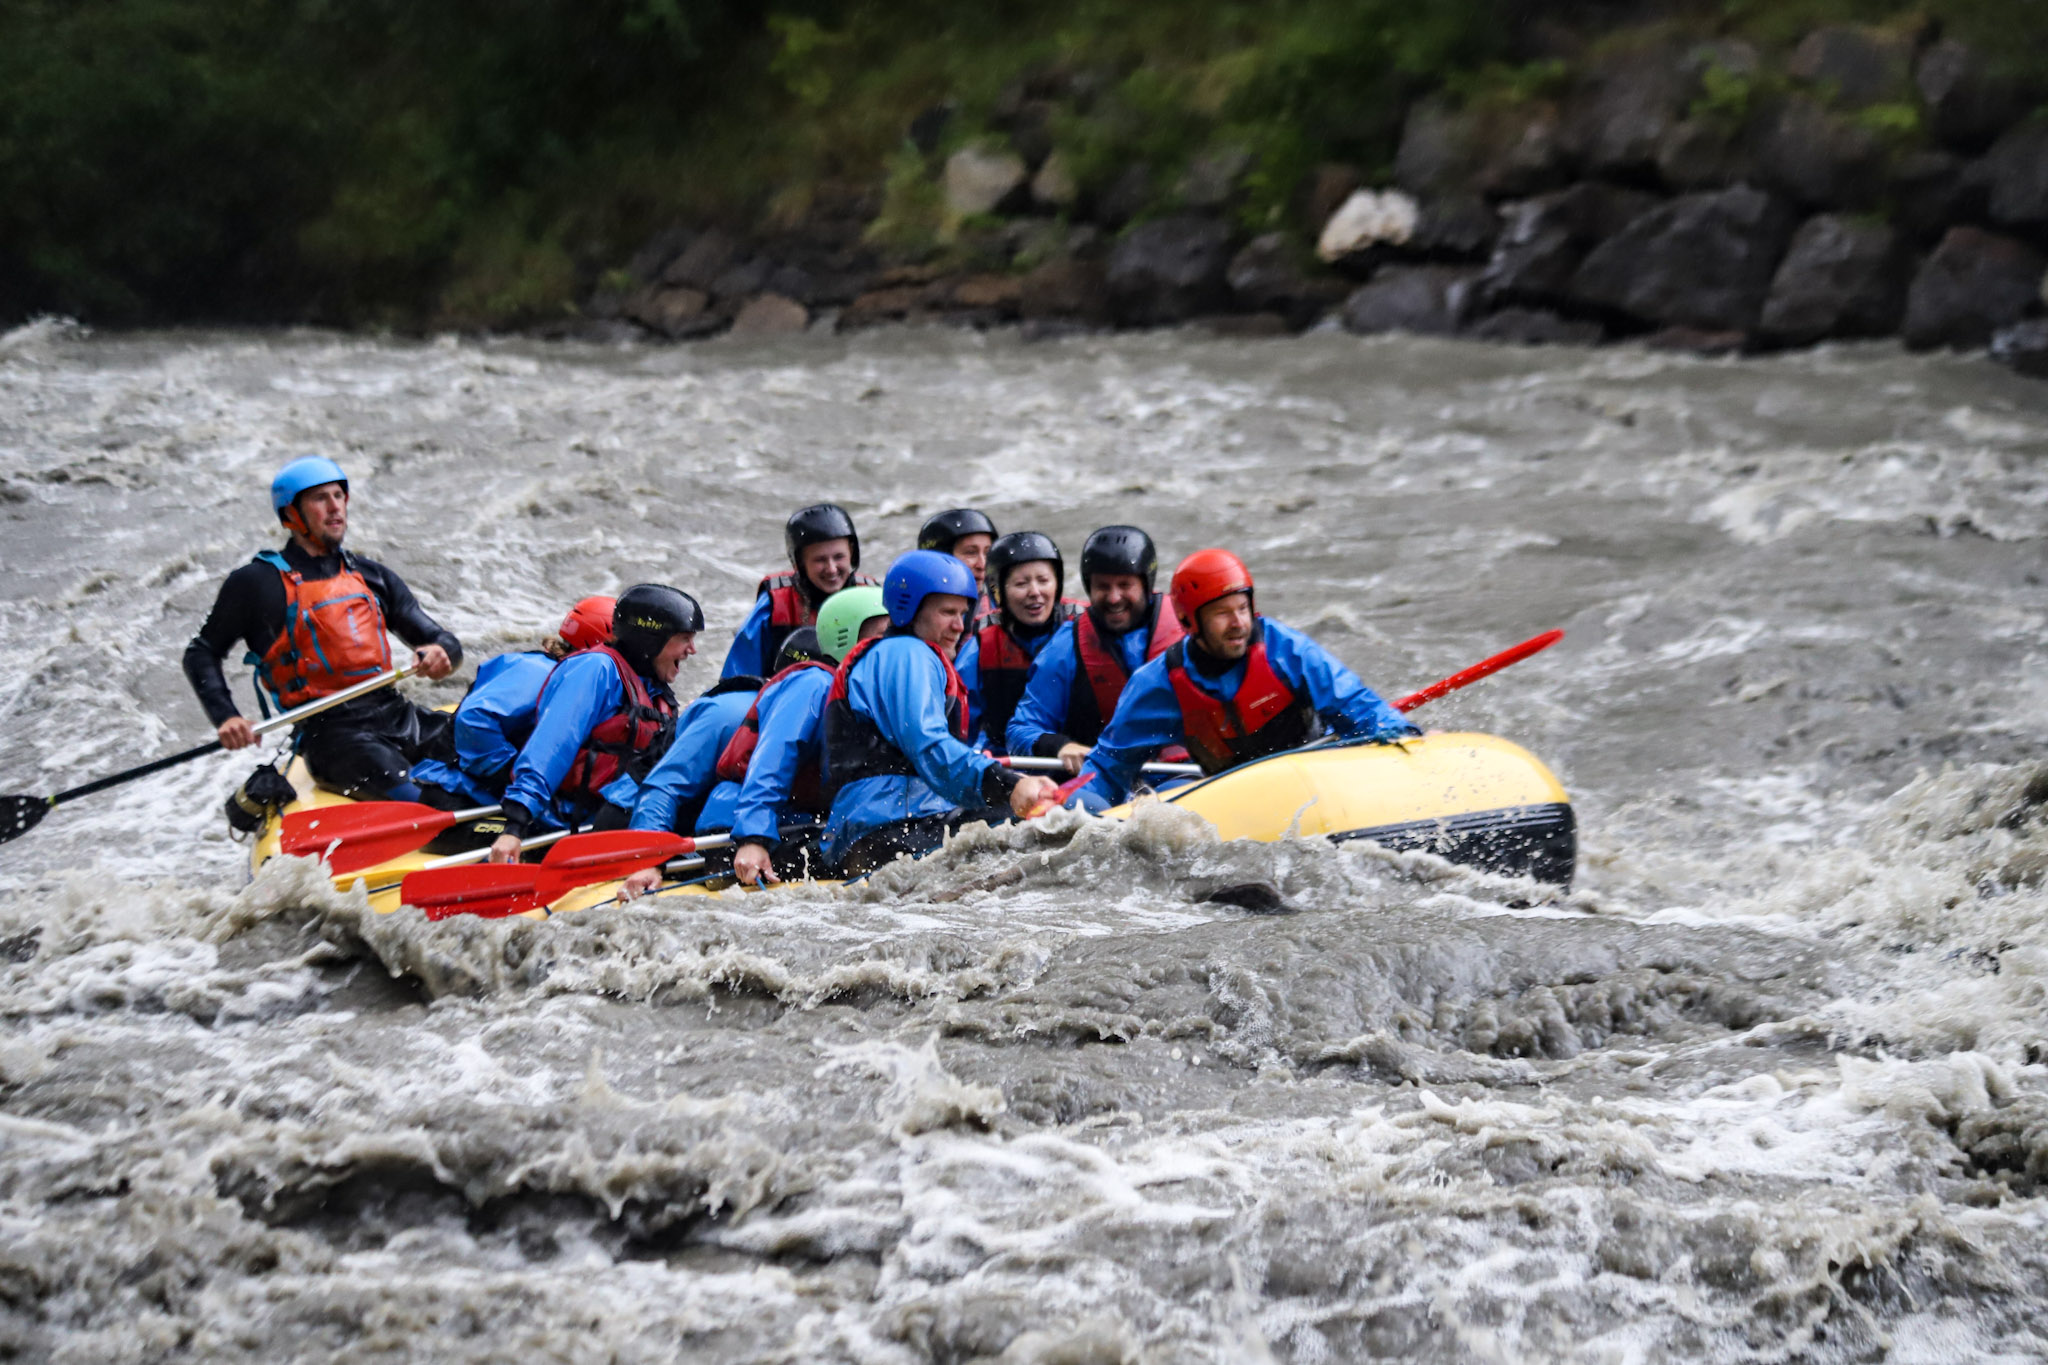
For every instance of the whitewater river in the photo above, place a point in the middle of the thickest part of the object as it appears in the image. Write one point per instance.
(1769, 1083)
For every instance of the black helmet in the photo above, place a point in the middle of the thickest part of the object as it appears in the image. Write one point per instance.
(819, 521)
(646, 615)
(1023, 547)
(798, 647)
(1119, 549)
(943, 529)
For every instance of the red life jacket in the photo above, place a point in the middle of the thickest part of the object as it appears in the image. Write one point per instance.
(1265, 717)
(1003, 667)
(333, 635)
(854, 745)
(631, 740)
(1100, 679)
(789, 608)
(806, 791)
(986, 613)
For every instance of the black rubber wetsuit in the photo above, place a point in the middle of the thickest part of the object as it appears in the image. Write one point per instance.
(363, 747)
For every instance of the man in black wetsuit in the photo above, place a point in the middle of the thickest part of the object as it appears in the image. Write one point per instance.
(314, 619)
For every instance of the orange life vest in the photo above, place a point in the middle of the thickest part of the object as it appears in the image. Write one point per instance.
(1265, 717)
(333, 635)
(630, 740)
(738, 754)
(1099, 681)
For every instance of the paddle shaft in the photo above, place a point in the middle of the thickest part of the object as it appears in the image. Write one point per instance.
(1484, 668)
(278, 722)
(1048, 765)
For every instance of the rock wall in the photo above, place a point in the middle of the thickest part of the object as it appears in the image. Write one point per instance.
(1697, 194)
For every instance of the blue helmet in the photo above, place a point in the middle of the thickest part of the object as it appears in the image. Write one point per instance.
(308, 471)
(919, 574)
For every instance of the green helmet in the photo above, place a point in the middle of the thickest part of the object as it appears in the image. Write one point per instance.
(844, 612)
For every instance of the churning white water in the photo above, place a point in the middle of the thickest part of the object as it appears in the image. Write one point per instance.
(1770, 1083)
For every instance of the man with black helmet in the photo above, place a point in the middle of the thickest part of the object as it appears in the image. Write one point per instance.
(604, 719)
(966, 534)
(1025, 577)
(314, 618)
(824, 556)
(1078, 676)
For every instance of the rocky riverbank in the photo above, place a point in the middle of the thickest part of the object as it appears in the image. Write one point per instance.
(1707, 194)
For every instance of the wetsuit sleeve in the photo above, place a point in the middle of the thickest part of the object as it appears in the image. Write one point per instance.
(744, 659)
(1346, 705)
(1147, 720)
(689, 769)
(584, 690)
(403, 614)
(240, 612)
(1035, 725)
(907, 699)
(792, 723)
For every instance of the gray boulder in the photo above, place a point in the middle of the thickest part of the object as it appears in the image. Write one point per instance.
(1841, 277)
(1701, 261)
(770, 315)
(1816, 156)
(1861, 66)
(1703, 154)
(1623, 110)
(1545, 240)
(2016, 171)
(1460, 225)
(984, 180)
(1170, 270)
(1125, 197)
(1933, 190)
(1975, 283)
(1496, 151)
(1433, 300)
(1268, 276)
(2023, 347)
(702, 261)
(1967, 102)
(1536, 327)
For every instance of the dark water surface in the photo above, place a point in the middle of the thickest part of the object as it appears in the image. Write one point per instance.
(1768, 1084)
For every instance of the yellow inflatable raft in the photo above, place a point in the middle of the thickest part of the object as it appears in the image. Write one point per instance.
(1471, 798)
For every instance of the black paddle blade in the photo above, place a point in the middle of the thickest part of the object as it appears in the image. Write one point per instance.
(20, 814)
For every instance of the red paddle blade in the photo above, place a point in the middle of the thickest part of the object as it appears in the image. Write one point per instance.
(362, 835)
(491, 890)
(642, 847)
(1480, 670)
(1059, 798)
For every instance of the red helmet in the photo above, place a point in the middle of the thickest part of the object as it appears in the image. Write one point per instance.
(1203, 577)
(588, 623)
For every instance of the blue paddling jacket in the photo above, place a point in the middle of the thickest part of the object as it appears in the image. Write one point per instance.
(791, 713)
(586, 690)
(676, 795)
(491, 724)
(1150, 717)
(889, 707)
(1044, 719)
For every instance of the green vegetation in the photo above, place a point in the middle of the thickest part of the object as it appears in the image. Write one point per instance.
(485, 162)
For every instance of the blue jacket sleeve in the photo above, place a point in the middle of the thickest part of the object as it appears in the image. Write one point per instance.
(744, 659)
(1147, 720)
(499, 708)
(903, 690)
(583, 691)
(1043, 709)
(689, 769)
(792, 726)
(1347, 706)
